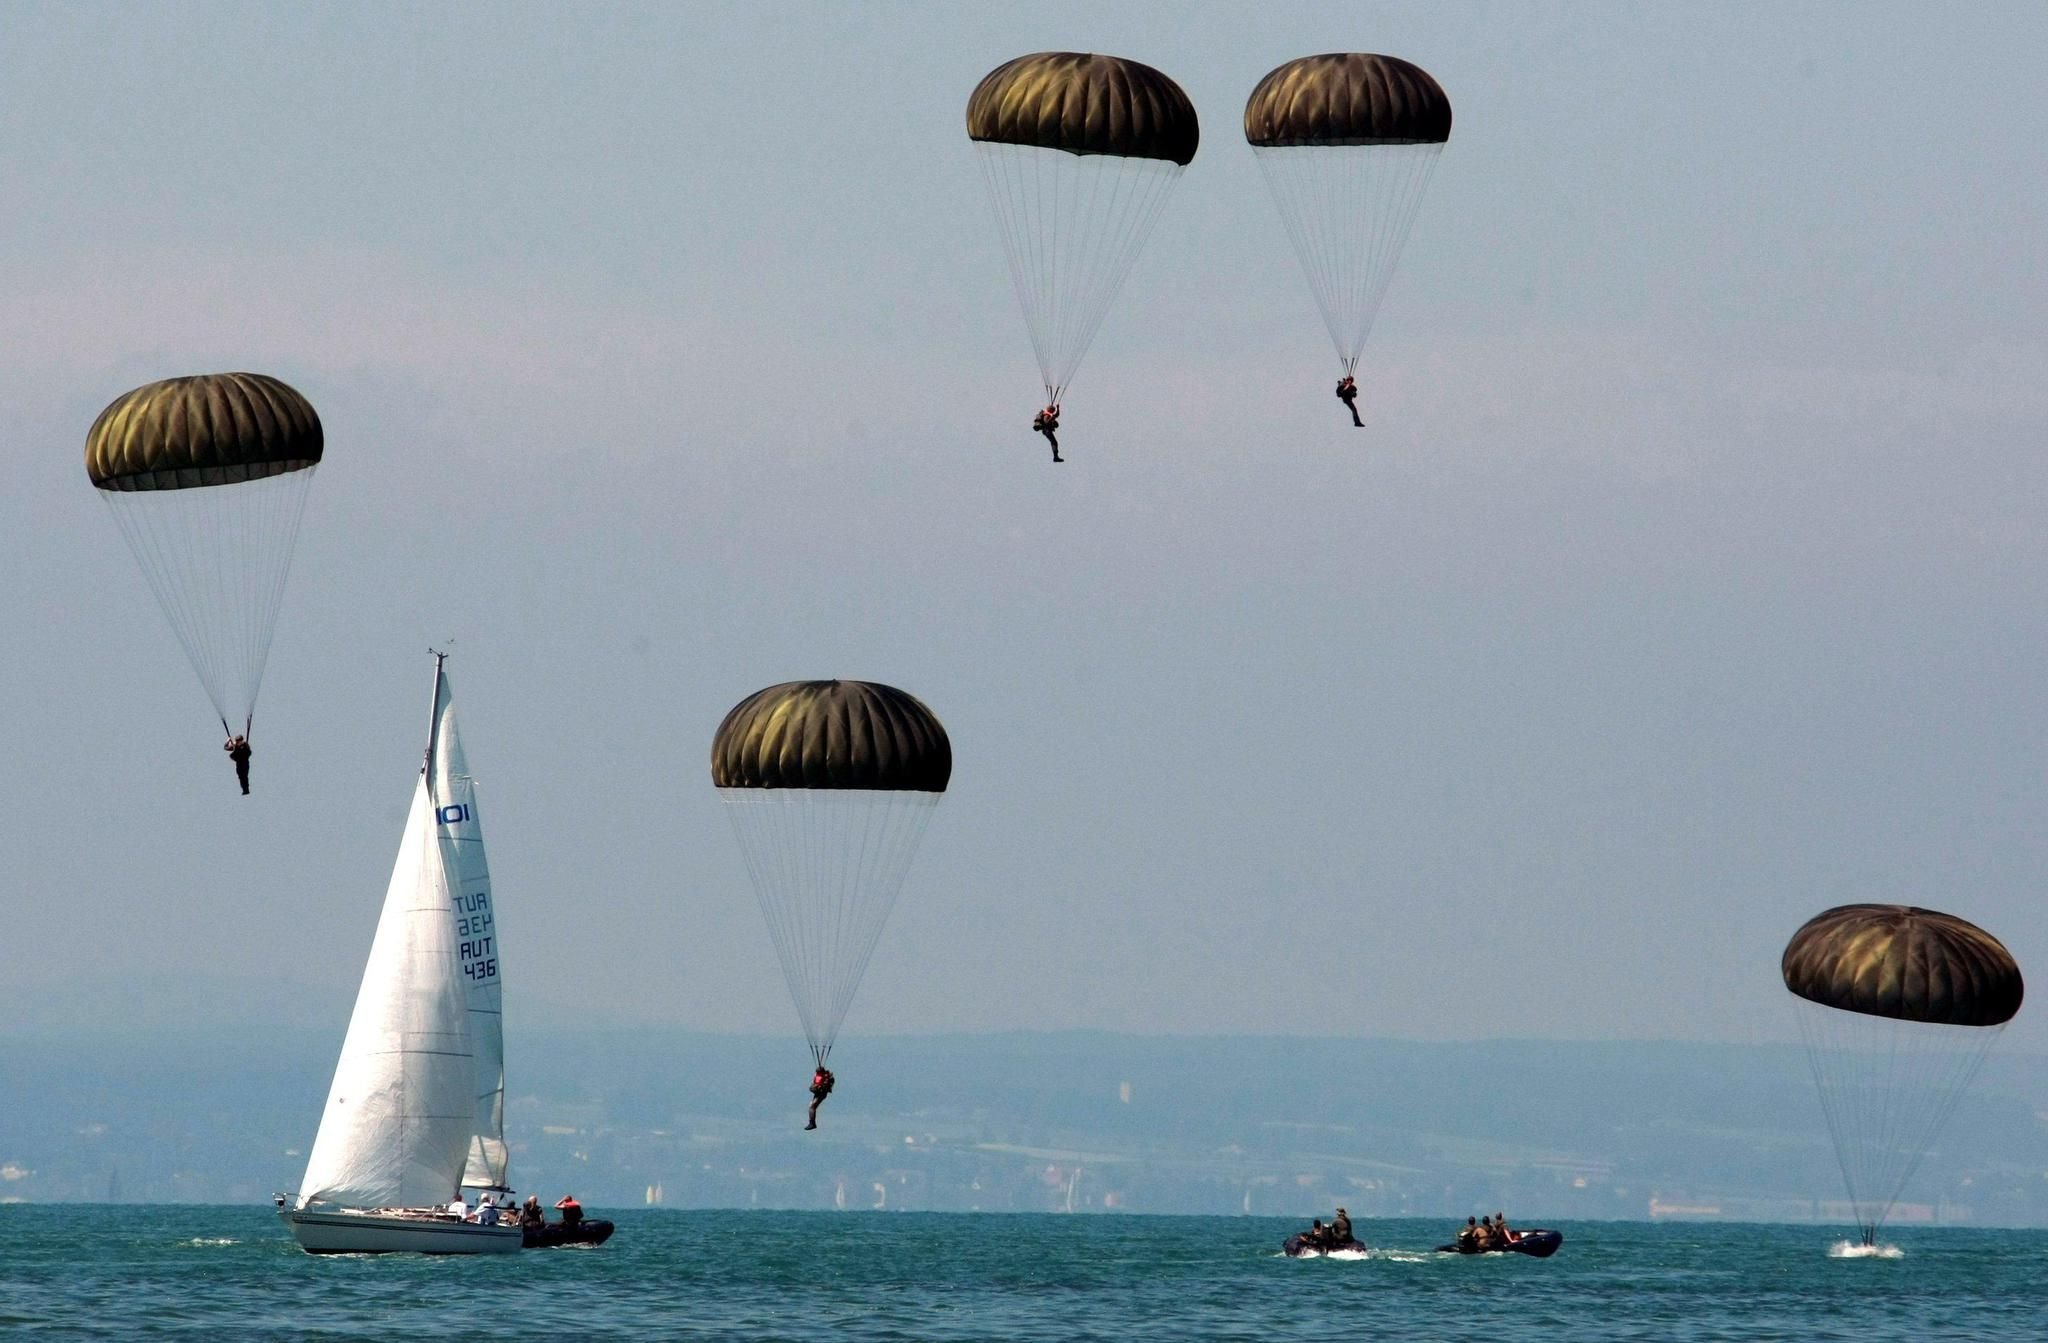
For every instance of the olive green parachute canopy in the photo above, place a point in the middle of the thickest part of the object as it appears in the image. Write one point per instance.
(832, 734)
(1348, 99)
(1084, 104)
(212, 429)
(1906, 963)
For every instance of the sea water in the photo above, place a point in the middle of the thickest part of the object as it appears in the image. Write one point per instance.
(232, 1273)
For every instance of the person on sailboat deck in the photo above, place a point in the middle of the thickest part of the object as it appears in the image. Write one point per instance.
(572, 1211)
(822, 1082)
(238, 751)
(486, 1212)
(457, 1208)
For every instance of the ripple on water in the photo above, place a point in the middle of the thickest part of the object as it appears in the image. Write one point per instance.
(232, 1274)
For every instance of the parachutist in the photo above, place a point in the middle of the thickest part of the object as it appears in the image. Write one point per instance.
(1047, 422)
(1347, 392)
(238, 751)
(207, 477)
(1080, 152)
(1346, 142)
(821, 1087)
(1898, 1005)
(827, 785)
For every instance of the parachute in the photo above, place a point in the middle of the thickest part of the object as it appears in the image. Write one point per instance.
(1348, 143)
(1080, 153)
(1898, 1007)
(207, 478)
(829, 785)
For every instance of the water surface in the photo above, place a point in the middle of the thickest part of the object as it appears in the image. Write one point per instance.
(93, 1271)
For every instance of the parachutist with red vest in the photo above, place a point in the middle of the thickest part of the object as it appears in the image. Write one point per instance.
(1047, 422)
(821, 1087)
(1347, 392)
(237, 748)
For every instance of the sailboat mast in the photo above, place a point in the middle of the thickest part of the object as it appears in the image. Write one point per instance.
(434, 715)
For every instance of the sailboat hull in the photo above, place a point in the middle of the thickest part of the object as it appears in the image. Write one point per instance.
(352, 1231)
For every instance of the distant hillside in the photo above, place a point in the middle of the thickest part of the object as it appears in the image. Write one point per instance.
(1024, 1121)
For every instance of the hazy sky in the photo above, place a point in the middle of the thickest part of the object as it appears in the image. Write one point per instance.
(1687, 581)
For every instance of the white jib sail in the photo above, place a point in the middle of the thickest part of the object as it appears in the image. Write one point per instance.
(402, 1110)
(476, 936)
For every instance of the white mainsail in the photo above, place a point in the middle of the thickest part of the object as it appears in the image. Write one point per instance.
(476, 936)
(402, 1111)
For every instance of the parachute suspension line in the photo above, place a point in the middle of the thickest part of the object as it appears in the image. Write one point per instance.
(291, 516)
(1833, 1107)
(1140, 198)
(1090, 247)
(827, 865)
(1886, 1087)
(1018, 248)
(175, 592)
(1047, 227)
(1072, 226)
(216, 559)
(770, 866)
(1348, 210)
(889, 829)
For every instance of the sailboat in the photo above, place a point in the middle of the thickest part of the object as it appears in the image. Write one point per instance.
(416, 1109)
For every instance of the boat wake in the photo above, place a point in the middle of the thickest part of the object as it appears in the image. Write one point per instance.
(1854, 1249)
(213, 1240)
(1355, 1256)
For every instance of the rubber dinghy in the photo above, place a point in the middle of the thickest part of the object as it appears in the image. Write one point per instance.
(1297, 1246)
(1537, 1243)
(554, 1235)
